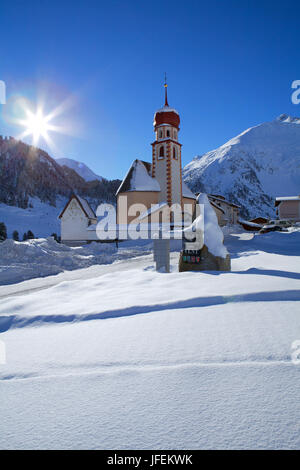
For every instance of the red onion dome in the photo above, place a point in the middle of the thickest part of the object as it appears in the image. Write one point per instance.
(166, 115)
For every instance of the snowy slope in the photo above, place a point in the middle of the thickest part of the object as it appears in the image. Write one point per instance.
(253, 168)
(84, 171)
(34, 187)
(41, 218)
(163, 361)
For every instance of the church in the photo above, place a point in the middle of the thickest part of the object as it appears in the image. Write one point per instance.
(153, 186)
(158, 183)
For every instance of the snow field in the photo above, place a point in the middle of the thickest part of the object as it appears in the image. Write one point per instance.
(119, 356)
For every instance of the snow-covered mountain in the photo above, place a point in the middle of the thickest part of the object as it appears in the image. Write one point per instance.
(34, 188)
(253, 168)
(81, 169)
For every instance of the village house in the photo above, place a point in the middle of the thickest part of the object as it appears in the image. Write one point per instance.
(288, 208)
(227, 212)
(77, 218)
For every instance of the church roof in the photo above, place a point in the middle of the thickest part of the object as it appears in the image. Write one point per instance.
(138, 178)
(186, 192)
(166, 115)
(167, 109)
(84, 205)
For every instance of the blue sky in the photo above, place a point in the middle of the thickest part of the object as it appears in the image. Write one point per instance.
(230, 65)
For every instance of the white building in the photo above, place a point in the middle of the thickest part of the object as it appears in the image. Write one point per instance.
(76, 219)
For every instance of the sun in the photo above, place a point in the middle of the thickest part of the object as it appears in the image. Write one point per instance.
(37, 125)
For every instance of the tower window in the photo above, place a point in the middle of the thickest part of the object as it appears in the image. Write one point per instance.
(160, 134)
(175, 153)
(161, 152)
(168, 133)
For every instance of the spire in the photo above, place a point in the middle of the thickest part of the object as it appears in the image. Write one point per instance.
(166, 91)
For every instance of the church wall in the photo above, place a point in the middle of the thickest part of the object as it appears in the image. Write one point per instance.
(160, 175)
(175, 175)
(187, 200)
(135, 197)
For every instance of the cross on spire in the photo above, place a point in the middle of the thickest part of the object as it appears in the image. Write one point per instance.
(166, 92)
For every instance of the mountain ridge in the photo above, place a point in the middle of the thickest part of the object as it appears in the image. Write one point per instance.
(81, 169)
(252, 168)
(28, 172)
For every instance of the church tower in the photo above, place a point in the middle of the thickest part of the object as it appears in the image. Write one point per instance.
(166, 153)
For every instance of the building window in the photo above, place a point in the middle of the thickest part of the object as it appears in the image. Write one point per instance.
(161, 153)
(168, 133)
(175, 153)
(160, 134)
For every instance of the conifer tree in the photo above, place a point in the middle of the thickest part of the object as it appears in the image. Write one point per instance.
(16, 235)
(3, 232)
(30, 235)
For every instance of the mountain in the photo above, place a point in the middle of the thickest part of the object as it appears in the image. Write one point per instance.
(34, 188)
(81, 169)
(253, 168)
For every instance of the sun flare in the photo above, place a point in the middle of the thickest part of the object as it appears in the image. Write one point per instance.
(37, 125)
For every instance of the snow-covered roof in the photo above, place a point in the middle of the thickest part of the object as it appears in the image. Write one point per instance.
(167, 109)
(278, 200)
(138, 178)
(251, 224)
(222, 200)
(87, 208)
(88, 211)
(186, 192)
(219, 208)
(288, 198)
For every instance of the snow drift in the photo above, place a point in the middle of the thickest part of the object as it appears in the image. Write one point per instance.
(44, 256)
(124, 357)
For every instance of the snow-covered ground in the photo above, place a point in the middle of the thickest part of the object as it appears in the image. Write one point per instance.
(44, 256)
(119, 356)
